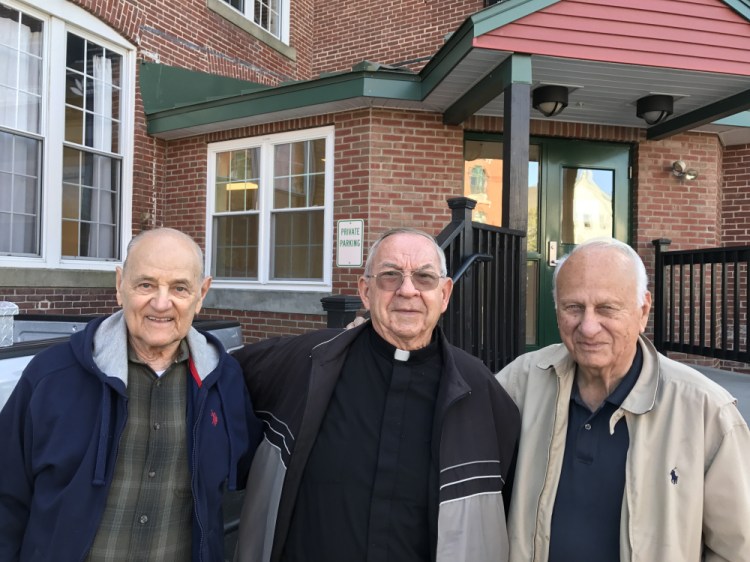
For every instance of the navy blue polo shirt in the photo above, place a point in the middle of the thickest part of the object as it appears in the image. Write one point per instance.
(586, 518)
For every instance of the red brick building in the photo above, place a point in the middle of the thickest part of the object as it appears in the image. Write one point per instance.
(263, 127)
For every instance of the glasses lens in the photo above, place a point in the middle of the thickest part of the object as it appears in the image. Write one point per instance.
(392, 280)
(424, 281)
(389, 280)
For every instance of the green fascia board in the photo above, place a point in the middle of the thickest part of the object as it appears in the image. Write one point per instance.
(381, 84)
(701, 116)
(165, 87)
(461, 42)
(503, 13)
(742, 7)
(513, 70)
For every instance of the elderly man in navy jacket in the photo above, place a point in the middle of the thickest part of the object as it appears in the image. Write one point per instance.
(117, 445)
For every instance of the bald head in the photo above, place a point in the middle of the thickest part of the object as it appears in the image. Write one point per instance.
(166, 238)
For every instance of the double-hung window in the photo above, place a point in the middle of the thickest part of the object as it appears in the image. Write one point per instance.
(270, 15)
(270, 211)
(65, 115)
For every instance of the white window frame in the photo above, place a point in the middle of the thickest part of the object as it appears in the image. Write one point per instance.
(249, 14)
(59, 17)
(266, 144)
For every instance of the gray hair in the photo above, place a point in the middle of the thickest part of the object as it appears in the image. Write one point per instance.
(641, 277)
(157, 231)
(406, 230)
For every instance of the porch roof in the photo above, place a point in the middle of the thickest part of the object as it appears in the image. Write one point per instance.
(496, 47)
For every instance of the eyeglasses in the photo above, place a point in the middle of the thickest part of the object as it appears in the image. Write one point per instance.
(392, 280)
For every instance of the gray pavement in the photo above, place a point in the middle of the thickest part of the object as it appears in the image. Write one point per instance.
(736, 383)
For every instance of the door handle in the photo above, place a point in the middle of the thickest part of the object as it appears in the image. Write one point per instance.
(552, 253)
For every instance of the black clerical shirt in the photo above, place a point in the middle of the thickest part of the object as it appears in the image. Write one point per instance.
(365, 491)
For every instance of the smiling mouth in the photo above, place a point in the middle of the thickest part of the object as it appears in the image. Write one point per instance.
(159, 320)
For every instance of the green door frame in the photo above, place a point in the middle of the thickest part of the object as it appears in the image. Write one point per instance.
(555, 156)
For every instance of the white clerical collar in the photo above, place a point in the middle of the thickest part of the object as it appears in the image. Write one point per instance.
(401, 355)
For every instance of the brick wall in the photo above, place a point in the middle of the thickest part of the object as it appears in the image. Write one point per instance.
(73, 300)
(391, 169)
(387, 31)
(735, 210)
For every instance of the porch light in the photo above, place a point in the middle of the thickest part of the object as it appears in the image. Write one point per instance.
(655, 108)
(681, 170)
(549, 100)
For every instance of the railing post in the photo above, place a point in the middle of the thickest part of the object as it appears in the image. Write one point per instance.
(660, 310)
(341, 309)
(461, 209)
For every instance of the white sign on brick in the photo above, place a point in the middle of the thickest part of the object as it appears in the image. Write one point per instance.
(350, 238)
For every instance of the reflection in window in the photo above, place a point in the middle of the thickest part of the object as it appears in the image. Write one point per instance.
(483, 182)
(478, 180)
(587, 210)
(91, 180)
(483, 179)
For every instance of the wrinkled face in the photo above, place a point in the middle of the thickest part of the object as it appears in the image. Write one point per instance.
(160, 292)
(597, 310)
(405, 317)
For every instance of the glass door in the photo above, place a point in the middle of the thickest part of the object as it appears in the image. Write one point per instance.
(585, 194)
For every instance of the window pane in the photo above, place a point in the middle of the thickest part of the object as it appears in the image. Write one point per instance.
(237, 180)
(9, 72)
(10, 19)
(483, 179)
(19, 194)
(91, 205)
(76, 53)
(532, 223)
(20, 71)
(235, 247)
(91, 84)
(297, 245)
(586, 204)
(266, 15)
(75, 86)
(238, 4)
(299, 174)
(31, 35)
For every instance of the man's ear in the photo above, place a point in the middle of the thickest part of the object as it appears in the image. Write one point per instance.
(205, 285)
(118, 282)
(645, 309)
(363, 288)
(446, 292)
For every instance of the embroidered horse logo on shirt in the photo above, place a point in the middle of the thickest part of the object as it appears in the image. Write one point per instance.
(674, 476)
(214, 419)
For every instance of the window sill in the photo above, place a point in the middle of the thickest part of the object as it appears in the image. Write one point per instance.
(54, 278)
(228, 13)
(265, 301)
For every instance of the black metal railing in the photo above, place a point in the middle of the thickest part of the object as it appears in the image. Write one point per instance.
(485, 316)
(700, 301)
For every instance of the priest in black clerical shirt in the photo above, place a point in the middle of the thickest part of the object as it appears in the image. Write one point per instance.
(383, 442)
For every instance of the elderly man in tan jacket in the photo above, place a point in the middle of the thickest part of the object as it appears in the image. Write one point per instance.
(624, 454)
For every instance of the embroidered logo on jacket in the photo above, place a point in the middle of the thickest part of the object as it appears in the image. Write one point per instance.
(674, 476)
(214, 419)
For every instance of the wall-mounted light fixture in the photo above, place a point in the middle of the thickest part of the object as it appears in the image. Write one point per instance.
(549, 100)
(655, 108)
(680, 170)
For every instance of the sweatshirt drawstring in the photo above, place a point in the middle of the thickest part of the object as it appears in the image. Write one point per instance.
(101, 452)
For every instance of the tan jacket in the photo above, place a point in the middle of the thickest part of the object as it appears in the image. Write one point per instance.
(687, 484)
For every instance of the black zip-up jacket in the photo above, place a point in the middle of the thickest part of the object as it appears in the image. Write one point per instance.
(475, 436)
